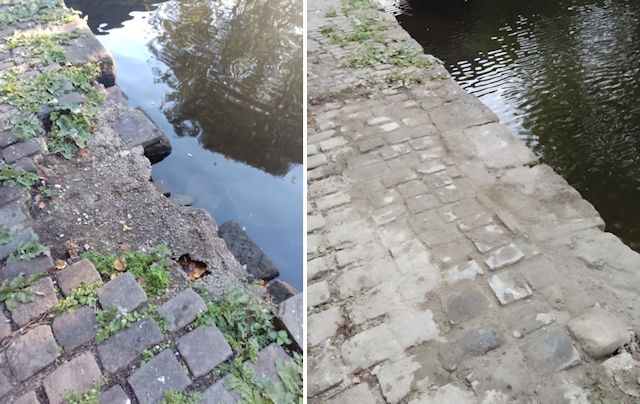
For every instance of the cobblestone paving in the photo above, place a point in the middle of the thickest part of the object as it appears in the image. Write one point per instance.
(445, 263)
(44, 355)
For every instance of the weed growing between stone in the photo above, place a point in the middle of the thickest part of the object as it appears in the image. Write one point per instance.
(29, 250)
(39, 11)
(114, 320)
(16, 291)
(91, 396)
(6, 236)
(12, 177)
(175, 397)
(84, 295)
(150, 270)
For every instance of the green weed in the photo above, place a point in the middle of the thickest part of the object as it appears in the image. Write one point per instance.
(84, 295)
(29, 250)
(175, 397)
(12, 177)
(6, 236)
(16, 291)
(39, 11)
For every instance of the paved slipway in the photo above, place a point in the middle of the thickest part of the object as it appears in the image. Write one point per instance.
(104, 201)
(446, 264)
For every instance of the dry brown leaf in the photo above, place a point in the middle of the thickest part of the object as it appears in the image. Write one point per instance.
(355, 380)
(119, 265)
(42, 205)
(261, 282)
(113, 276)
(60, 264)
(196, 273)
(83, 153)
(126, 228)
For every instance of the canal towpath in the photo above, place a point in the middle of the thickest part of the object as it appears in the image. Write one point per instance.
(118, 338)
(445, 262)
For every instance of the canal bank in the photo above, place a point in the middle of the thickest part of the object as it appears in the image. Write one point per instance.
(76, 184)
(445, 263)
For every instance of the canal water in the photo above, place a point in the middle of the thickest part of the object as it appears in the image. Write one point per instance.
(562, 76)
(223, 80)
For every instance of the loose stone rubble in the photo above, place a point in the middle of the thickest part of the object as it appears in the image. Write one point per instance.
(105, 201)
(445, 263)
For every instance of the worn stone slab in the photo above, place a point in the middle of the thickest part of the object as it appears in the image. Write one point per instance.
(75, 275)
(360, 393)
(370, 347)
(6, 376)
(620, 363)
(45, 299)
(473, 343)
(121, 349)
(218, 393)
(77, 375)
(36, 265)
(280, 291)
(599, 332)
(28, 398)
(412, 326)
(136, 129)
(507, 255)
(247, 252)
(464, 305)
(89, 49)
(182, 309)
(266, 364)
(123, 292)
(318, 293)
(324, 371)
(115, 395)
(396, 378)
(468, 270)
(12, 216)
(549, 350)
(162, 373)
(290, 314)
(323, 325)
(530, 317)
(508, 287)
(73, 329)
(20, 150)
(32, 352)
(448, 393)
(9, 194)
(203, 349)
(22, 236)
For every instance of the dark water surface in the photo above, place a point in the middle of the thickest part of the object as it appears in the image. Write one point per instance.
(223, 79)
(563, 76)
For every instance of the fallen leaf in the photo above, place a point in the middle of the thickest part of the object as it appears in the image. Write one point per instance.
(42, 205)
(119, 265)
(38, 293)
(126, 228)
(113, 276)
(60, 264)
(196, 273)
(355, 380)
(83, 153)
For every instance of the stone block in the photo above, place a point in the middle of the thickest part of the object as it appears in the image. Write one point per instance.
(218, 393)
(316, 161)
(397, 378)
(203, 349)
(73, 329)
(121, 349)
(247, 252)
(20, 150)
(162, 373)
(318, 293)
(360, 393)
(75, 275)
(411, 326)
(280, 291)
(89, 49)
(28, 398)
(290, 316)
(549, 350)
(181, 200)
(123, 292)
(136, 129)
(529, 318)
(115, 395)
(32, 352)
(370, 347)
(448, 393)
(507, 255)
(9, 194)
(333, 201)
(77, 375)
(599, 332)
(464, 305)
(473, 343)
(323, 325)
(488, 237)
(12, 217)
(332, 143)
(45, 299)
(508, 287)
(324, 371)
(182, 309)
(6, 377)
(26, 164)
(36, 265)
(266, 364)
(5, 325)
(468, 270)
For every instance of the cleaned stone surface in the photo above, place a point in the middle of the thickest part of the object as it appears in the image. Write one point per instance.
(507, 255)
(9, 194)
(599, 332)
(550, 351)
(396, 378)
(45, 299)
(75, 328)
(182, 309)
(6, 377)
(28, 398)
(75, 275)
(123, 292)
(136, 129)
(77, 375)
(290, 313)
(266, 364)
(218, 393)
(526, 319)
(203, 349)
(473, 343)
(5, 325)
(508, 287)
(464, 305)
(369, 347)
(115, 395)
(32, 352)
(359, 393)
(324, 371)
(448, 393)
(323, 325)
(162, 373)
(121, 349)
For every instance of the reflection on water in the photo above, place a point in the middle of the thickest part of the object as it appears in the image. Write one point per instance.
(563, 77)
(223, 79)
